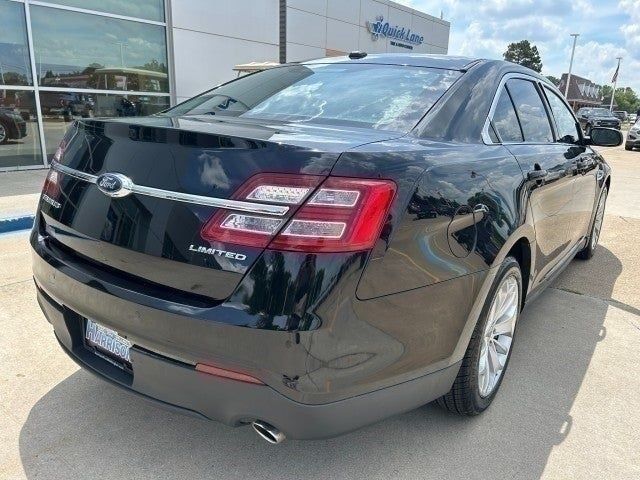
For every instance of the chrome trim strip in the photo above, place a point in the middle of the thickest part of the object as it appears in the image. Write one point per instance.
(238, 205)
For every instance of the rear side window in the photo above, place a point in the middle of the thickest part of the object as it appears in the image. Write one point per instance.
(565, 123)
(505, 120)
(386, 97)
(533, 116)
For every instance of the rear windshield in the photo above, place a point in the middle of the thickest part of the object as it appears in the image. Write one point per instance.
(387, 97)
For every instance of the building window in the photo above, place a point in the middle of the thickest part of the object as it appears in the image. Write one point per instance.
(14, 53)
(59, 109)
(146, 9)
(80, 50)
(19, 136)
(88, 61)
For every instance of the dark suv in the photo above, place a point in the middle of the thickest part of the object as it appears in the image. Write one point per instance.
(597, 117)
(317, 246)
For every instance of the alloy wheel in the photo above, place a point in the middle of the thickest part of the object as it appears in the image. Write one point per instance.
(597, 222)
(498, 334)
(3, 133)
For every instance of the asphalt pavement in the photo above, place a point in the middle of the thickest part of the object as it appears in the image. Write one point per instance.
(569, 406)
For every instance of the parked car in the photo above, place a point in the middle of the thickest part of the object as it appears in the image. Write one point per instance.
(633, 137)
(633, 118)
(315, 247)
(620, 115)
(12, 125)
(597, 117)
(69, 105)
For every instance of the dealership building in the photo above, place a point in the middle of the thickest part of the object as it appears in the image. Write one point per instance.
(61, 60)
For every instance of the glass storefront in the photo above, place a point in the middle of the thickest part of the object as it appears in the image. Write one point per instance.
(81, 61)
(19, 135)
(60, 109)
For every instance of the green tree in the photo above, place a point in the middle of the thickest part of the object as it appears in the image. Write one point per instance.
(525, 54)
(625, 98)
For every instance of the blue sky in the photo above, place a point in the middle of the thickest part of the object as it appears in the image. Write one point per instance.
(608, 29)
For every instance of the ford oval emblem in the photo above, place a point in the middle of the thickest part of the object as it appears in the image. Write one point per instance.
(114, 184)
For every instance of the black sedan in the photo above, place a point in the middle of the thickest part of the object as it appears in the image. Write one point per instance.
(12, 126)
(315, 247)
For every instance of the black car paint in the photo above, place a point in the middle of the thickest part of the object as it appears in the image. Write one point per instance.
(15, 126)
(321, 327)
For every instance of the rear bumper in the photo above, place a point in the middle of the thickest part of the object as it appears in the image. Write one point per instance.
(178, 386)
(372, 360)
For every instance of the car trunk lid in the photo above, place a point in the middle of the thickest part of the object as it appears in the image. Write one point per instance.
(156, 238)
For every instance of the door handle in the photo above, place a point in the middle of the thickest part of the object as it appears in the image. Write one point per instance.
(537, 174)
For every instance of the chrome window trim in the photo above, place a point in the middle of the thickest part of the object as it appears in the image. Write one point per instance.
(251, 207)
(485, 129)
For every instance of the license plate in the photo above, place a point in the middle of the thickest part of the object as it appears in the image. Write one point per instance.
(107, 340)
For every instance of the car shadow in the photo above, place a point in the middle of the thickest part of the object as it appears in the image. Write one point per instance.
(86, 428)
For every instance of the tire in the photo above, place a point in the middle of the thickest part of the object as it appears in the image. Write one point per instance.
(628, 148)
(587, 252)
(466, 396)
(4, 133)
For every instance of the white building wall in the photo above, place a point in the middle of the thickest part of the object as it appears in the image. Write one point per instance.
(210, 37)
(316, 28)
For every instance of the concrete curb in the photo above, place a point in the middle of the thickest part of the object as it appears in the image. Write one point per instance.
(16, 223)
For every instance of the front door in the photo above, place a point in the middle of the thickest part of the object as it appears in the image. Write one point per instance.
(548, 173)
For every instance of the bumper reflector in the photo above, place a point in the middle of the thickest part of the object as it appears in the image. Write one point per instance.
(221, 372)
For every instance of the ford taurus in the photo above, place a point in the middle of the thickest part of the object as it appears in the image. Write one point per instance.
(315, 247)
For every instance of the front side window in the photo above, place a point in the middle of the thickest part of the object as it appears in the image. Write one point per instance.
(387, 97)
(565, 123)
(531, 112)
(505, 120)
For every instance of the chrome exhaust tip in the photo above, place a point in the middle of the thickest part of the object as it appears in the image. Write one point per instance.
(267, 431)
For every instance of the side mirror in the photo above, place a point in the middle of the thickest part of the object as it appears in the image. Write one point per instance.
(605, 137)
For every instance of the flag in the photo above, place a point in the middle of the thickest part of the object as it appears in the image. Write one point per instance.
(615, 75)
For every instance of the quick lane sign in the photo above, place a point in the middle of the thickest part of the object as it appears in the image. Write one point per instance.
(380, 28)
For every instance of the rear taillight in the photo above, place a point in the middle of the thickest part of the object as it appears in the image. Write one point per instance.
(57, 156)
(342, 215)
(51, 186)
(254, 229)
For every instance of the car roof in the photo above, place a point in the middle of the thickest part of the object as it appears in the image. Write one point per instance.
(412, 59)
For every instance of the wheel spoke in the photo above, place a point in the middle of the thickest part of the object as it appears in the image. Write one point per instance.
(502, 344)
(497, 338)
(504, 327)
(494, 360)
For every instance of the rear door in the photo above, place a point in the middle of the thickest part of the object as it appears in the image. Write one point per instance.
(527, 132)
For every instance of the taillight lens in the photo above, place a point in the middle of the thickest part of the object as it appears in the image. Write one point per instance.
(57, 156)
(253, 229)
(51, 186)
(342, 215)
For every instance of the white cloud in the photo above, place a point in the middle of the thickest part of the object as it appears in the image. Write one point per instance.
(608, 29)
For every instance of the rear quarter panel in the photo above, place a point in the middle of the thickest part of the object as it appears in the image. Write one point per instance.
(457, 208)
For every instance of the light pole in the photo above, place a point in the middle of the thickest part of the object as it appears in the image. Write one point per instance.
(573, 51)
(615, 82)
